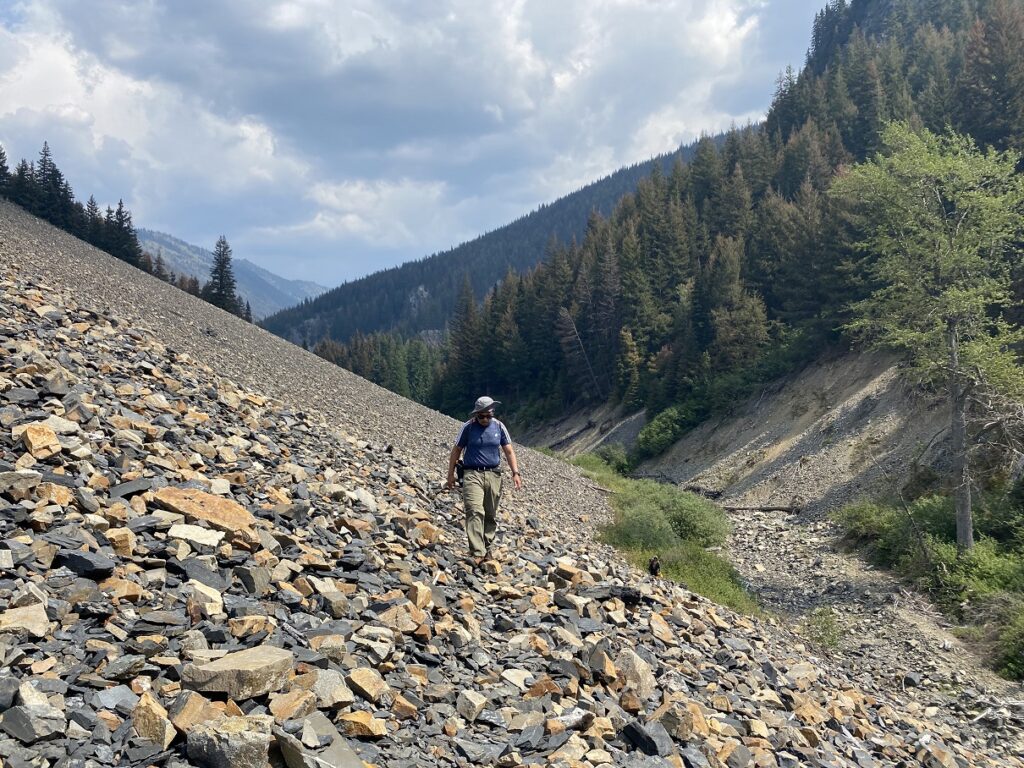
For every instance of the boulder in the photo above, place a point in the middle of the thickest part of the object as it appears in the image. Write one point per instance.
(234, 742)
(241, 675)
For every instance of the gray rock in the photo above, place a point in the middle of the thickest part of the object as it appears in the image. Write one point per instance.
(19, 481)
(91, 565)
(120, 698)
(243, 674)
(33, 722)
(234, 742)
(8, 690)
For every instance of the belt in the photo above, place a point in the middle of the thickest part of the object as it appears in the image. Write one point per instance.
(481, 469)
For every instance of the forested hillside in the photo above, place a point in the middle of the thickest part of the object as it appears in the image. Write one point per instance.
(421, 295)
(740, 264)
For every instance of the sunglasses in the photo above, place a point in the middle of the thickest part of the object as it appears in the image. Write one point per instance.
(485, 415)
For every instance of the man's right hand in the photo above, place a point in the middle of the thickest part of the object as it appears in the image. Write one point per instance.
(451, 482)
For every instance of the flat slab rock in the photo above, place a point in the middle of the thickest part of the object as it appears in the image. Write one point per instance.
(243, 674)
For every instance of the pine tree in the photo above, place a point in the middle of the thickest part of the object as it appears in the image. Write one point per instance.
(221, 290)
(122, 241)
(22, 185)
(160, 267)
(247, 313)
(463, 375)
(93, 223)
(867, 94)
(933, 53)
(627, 384)
(5, 172)
(991, 87)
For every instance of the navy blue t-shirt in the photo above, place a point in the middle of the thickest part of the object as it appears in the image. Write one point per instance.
(482, 444)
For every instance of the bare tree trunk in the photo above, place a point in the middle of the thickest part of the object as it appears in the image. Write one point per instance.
(958, 444)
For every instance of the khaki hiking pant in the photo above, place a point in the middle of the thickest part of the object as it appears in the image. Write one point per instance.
(481, 492)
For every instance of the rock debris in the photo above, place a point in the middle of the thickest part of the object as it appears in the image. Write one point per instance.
(198, 567)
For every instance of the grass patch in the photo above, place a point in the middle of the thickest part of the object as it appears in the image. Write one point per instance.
(984, 589)
(822, 628)
(656, 519)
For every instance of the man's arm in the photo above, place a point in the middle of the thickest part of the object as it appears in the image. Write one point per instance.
(513, 463)
(453, 459)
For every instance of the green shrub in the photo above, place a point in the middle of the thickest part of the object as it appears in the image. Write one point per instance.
(822, 628)
(656, 519)
(614, 455)
(1011, 647)
(1001, 516)
(660, 432)
(983, 587)
(706, 574)
(645, 529)
(695, 518)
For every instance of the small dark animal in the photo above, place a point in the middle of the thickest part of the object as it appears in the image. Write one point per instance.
(654, 566)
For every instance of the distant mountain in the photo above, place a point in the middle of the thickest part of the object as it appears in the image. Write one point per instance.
(421, 295)
(266, 292)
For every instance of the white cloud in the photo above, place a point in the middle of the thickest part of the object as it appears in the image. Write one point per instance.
(381, 213)
(52, 84)
(402, 127)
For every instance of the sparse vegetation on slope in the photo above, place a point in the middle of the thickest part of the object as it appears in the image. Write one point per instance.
(983, 588)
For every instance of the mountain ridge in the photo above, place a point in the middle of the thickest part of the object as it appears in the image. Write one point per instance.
(417, 296)
(266, 291)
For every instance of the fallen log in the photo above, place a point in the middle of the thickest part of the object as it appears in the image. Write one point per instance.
(791, 509)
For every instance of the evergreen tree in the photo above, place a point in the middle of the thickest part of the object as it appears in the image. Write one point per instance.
(160, 267)
(945, 223)
(221, 290)
(420, 375)
(627, 384)
(868, 96)
(93, 223)
(122, 240)
(5, 172)
(991, 87)
(22, 186)
(463, 374)
(933, 54)
(247, 313)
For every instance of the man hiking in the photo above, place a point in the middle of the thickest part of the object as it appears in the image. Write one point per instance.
(480, 443)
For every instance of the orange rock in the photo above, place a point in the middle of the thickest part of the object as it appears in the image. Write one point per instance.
(403, 709)
(291, 705)
(54, 494)
(363, 725)
(541, 688)
(419, 594)
(122, 540)
(40, 441)
(123, 589)
(151, 723)
(223, 514)
(630, 702)
(190, 709)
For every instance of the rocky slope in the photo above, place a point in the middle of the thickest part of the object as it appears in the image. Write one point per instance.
(839, 429)
(217, 550)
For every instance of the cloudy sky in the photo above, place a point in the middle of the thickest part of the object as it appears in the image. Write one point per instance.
(331, 138)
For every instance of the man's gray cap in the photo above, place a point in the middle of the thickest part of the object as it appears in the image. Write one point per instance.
(483, 404)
